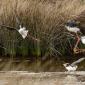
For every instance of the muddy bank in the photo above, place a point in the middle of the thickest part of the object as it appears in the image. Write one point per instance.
(45, 78)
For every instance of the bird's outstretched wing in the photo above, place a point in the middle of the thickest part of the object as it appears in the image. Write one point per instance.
(78, 61)
(8, 27)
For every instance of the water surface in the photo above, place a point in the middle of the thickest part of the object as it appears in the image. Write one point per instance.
(43, 78)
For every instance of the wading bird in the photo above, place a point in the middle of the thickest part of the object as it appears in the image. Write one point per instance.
(22, 31)
(73, 66)
(72, 26)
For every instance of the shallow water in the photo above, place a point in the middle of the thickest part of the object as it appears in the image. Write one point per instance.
(44, 78)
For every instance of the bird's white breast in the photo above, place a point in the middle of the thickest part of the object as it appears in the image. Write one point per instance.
(71, 68)
(72, 29)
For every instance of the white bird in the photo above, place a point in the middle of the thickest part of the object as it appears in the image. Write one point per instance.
(73, 66)
(73, 27)
(22, 30)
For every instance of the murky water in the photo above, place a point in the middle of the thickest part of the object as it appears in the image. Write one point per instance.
(45, 78)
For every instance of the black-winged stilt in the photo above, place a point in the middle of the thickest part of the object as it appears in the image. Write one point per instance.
(73, 66)
(22, 31)
(72, 26)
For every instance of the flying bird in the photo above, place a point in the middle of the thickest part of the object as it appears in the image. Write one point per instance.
(73, 27)
(22, 30)
(73, 66)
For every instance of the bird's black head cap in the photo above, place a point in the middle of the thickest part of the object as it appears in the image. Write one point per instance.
(71, 23)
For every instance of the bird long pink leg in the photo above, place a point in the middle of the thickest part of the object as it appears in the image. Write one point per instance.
(76, 49)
